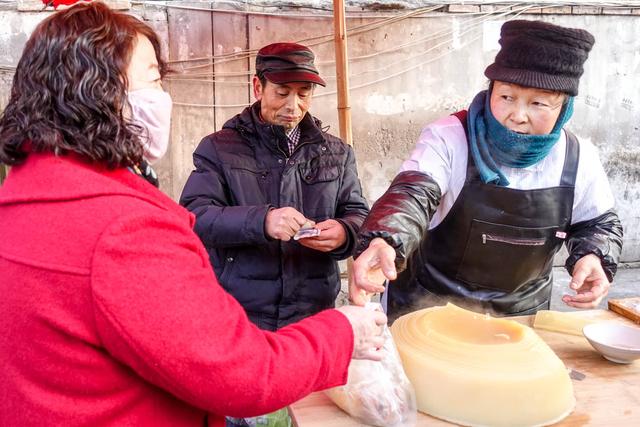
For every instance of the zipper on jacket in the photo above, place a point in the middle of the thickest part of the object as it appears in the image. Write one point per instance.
(300, 144)
(277, 144)
(511, 240)
(286, 158)
(285, 155)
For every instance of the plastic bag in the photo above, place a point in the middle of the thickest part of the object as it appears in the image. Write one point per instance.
(378, 393)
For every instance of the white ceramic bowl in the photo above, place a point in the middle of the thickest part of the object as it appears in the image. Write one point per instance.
(616, 342)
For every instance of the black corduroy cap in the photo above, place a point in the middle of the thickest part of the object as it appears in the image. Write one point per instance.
(541, 55)
(287, 62)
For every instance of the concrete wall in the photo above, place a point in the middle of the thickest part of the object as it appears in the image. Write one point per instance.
(404, 74)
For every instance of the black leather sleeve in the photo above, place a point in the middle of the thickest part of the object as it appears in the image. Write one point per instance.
(401, 216)
(601, 236)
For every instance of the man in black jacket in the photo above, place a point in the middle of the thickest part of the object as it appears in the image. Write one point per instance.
(270, 172)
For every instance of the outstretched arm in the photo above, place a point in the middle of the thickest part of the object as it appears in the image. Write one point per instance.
(177, 328)
(399, 219)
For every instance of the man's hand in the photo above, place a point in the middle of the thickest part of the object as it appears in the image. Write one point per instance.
(367, 330)
(589, 281)
(332, 236)
(370, 270)
(283, 223)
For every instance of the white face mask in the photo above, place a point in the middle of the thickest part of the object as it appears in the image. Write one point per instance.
(151, 109)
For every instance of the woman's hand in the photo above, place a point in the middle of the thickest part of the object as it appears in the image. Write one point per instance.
(590, 283)
(367, 331)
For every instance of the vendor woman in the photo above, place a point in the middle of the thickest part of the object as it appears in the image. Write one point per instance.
(490, 194)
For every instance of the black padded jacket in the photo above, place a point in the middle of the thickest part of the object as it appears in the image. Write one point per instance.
(240, 173)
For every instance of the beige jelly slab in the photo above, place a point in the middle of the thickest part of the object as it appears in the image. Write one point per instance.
(474, 369)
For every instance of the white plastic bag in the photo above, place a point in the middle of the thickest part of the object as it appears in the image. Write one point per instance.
(378, 393)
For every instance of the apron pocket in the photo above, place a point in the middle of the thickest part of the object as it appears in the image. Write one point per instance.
(506, 257)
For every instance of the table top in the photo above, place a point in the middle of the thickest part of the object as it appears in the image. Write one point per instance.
(607, 395)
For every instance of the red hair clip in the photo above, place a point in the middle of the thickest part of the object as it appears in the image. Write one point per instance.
(56, 3)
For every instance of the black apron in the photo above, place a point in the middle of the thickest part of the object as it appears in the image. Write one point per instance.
(494, 250)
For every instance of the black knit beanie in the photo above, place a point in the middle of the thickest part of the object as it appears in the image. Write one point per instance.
(541, 55)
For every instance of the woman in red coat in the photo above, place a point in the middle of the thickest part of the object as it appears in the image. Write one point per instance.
(108, 312)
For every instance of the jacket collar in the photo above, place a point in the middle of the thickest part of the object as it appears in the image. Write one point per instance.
(249, 125)
(47, 177)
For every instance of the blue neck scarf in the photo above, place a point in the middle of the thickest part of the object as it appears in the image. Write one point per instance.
(491, 143)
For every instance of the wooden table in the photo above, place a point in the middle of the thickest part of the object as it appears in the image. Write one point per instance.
(608, 395)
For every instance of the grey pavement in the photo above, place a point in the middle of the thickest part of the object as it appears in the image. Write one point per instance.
(625, 284)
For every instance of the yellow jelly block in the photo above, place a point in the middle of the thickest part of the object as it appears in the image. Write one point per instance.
(474, 369)
(557, 321)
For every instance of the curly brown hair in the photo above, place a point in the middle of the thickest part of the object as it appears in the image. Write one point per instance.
(70, 88)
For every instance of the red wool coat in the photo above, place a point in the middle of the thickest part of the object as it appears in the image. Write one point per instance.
(111, 314)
